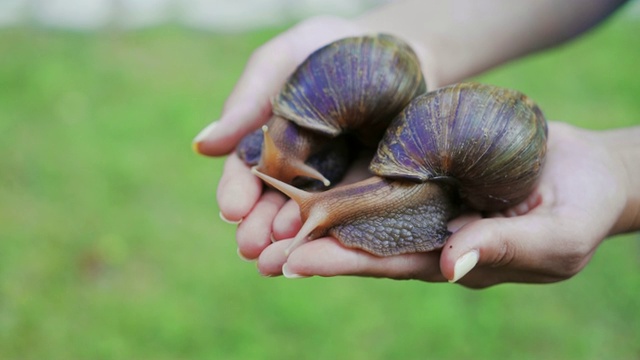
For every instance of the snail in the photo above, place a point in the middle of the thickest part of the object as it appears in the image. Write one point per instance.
(356, 86)
(466, 145)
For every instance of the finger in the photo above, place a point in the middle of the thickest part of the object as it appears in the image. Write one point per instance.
(530, 203)
(535, 244)
(238, 190)
(254, 232)
(486, 238)
(272, 258)
(326, 257)
(287, 223)
(463, 219)
(249, 104)
(500, 241)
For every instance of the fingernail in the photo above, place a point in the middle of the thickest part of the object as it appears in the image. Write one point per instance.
(202, 135)
(242, 257)
(272, 238)
(232, 222)
(290, 275)
(464, 264)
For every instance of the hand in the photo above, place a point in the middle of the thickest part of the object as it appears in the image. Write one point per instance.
(549, 237)
(247, 108)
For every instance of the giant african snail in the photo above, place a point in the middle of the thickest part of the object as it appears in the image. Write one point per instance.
(476, 143)
(472, 144)
(354, 86)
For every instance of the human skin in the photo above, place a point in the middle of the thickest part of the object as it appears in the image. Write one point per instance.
(549, 237)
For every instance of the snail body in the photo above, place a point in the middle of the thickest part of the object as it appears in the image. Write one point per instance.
(468, 144)
(352, 86)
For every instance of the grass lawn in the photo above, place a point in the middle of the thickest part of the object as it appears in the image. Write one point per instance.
(111, 246)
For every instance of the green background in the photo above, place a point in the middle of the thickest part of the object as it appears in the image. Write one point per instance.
(111, 246)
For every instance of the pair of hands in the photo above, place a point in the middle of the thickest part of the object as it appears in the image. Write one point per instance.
(549, 237)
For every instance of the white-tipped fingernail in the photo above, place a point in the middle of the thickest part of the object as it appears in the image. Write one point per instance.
(205, 133)
(290, 275)
(242, 257)
(464, 264)
(272, 238)
(232, 222)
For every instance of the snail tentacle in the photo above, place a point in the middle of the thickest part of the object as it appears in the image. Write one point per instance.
(316, 217)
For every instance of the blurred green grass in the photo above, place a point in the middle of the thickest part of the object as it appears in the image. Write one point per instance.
(111, 247)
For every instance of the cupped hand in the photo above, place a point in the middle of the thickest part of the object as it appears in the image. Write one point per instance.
(549, 237)
(239, 192)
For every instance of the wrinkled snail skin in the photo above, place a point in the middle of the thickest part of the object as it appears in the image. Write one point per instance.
(472, 144)
(352, 86)
(381, 216)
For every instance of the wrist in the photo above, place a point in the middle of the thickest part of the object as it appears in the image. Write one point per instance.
(624, 147)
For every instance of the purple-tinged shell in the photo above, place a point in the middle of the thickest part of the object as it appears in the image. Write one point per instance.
(250, 147)
(356, 84)
(489, 141)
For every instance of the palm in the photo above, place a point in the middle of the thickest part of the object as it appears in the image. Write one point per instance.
(549, 228)
(548, 237)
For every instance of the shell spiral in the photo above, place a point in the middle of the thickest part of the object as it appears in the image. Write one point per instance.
(355, 84)
(488, 140)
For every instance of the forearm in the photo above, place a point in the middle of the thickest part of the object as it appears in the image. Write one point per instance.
(624, 147)
(460, 38)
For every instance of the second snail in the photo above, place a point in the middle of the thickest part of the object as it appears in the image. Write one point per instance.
(466, 145)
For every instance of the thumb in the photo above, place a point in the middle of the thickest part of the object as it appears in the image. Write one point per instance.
(249, 105)
(519, 242)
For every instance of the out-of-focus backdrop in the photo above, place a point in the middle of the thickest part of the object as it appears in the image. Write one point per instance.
(110, 241)
(218, 15)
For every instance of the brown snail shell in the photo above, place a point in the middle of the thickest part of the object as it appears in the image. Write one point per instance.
(354, 85)
(479, 143)
(489, 141)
